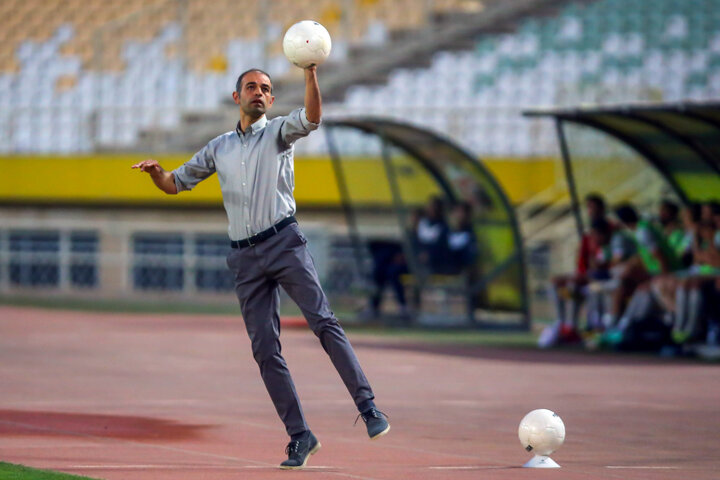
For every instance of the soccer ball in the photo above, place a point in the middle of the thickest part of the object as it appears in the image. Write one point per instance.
(307, 43)
(541, 432)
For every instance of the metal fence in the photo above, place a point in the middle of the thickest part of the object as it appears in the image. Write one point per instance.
(50, 259)
(76, 261)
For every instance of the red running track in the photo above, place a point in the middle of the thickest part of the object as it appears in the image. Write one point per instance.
(179, 397)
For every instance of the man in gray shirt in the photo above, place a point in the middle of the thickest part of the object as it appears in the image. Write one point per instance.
(254, 164)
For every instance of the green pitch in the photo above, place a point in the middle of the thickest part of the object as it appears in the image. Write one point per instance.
(8, 471)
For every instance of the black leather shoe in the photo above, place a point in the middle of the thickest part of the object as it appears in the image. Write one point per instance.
(376, 423)
(299, 451)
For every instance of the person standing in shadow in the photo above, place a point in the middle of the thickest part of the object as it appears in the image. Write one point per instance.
(432, 237)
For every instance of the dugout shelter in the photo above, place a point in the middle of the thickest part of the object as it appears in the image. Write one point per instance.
(405, 166)
(649, 150)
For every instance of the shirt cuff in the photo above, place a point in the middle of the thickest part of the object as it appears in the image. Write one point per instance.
(180, 186)
(307, 124)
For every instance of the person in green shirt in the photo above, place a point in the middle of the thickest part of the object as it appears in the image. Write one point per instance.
(654, 256)
(666, 285)
(713, 336)
(689, 294)
(672, 227)
(716, 220)
(694, 294)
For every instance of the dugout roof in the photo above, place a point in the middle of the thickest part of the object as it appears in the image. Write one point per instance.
(417, 164)
(680, 140)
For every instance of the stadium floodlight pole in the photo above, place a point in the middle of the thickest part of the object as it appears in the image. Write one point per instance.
(565, 152)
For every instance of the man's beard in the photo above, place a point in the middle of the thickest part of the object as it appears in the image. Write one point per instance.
(254, 110)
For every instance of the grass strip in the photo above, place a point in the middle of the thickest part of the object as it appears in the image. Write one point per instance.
(9, 471)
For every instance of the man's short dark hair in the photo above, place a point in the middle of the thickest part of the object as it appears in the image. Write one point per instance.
(597, 199)
(238, 84)
(627, 214)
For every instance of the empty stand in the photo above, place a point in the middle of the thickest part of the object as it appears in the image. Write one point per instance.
(609, 51)
(93, 74)
(90, 74)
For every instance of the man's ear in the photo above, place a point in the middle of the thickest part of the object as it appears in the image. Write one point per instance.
(236, 98)
(272, 100)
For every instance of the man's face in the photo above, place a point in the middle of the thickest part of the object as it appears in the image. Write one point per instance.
(255, 95)
(456, 217)
(594, 210)
(706, 213)
(434, 210)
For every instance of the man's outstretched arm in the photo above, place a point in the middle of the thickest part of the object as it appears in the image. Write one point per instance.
(163, 179)
(313, 101)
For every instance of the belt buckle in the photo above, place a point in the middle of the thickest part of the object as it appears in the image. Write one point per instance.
(250, 243)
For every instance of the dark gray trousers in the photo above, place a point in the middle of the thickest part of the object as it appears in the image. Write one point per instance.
(283, 260)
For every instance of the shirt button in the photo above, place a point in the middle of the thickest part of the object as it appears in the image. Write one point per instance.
(243, 184)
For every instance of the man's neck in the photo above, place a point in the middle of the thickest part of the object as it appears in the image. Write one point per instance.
(246, 121)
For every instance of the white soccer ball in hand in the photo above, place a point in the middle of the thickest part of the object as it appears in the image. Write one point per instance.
(307, 43)
(541, 432)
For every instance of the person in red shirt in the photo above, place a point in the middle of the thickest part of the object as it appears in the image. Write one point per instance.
(566, 290)
(596, 209)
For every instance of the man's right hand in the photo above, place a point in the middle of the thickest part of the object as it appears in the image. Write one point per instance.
(150, 166)
(163, 179)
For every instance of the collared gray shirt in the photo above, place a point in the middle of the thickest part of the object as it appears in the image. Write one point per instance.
(255, 170)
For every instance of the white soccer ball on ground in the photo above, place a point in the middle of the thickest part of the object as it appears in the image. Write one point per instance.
(307, 43)
(541, 432)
